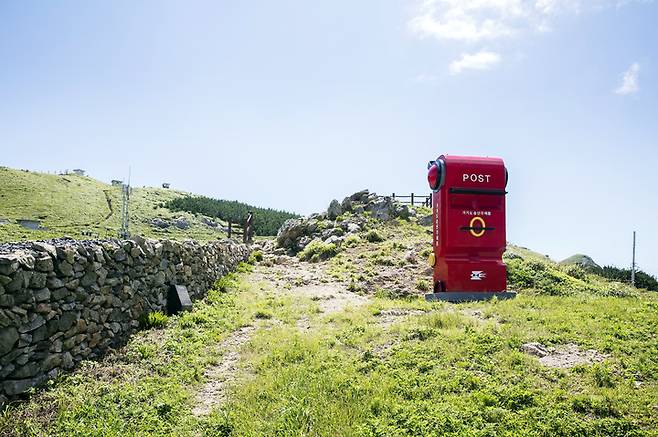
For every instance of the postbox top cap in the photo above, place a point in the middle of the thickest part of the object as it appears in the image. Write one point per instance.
(456, 159)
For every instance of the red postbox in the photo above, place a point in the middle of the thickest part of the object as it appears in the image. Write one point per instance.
(468, 226)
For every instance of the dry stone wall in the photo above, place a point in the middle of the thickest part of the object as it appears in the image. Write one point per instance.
(64, 301)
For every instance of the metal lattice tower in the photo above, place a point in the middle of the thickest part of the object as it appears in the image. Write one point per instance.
(124, 233)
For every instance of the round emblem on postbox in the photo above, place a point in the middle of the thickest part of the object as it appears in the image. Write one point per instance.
(477, 231)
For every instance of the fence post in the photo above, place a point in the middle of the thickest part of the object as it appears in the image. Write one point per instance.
(229, 229)
(393, 196)
(412, 199)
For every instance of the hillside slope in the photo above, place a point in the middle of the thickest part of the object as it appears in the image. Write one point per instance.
(346, 345)
(82, 207)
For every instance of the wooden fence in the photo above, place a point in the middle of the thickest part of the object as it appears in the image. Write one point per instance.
(234, 230)
(414, 199)
(237, 230)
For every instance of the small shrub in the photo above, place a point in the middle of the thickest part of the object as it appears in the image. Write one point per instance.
(354, 287)
(575, 271)
(322, 225)
(155, 319)
(422, 285)
(317, 251)
(255, 257)
(225, 283)
(244, 267)
(382, 260)
(352, 241)
(603, 375)
(261, 314)
(373, 236)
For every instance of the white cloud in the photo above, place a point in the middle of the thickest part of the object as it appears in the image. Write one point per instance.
(630, 83)
(480, 20)
(482, 60)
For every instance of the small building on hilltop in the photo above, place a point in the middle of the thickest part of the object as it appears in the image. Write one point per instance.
(166, 185)
(116, 183)
(79, 171)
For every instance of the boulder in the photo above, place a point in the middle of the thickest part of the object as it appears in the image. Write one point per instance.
(346, 205)
(536, 349)
(360, 196)
(382, 209)
(159, 223)
(182, 223)
(425, 220)
(334, 210)
(290, 232)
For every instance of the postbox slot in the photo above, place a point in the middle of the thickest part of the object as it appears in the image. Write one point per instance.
(489, 191)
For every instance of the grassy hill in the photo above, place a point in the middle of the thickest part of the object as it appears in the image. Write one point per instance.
(347, 346)
(82, 207)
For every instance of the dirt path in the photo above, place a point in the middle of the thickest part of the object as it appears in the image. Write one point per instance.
(213, 393)
(296, 279)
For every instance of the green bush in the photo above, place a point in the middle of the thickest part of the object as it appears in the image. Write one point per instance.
(373, 236)
(155, 319)
(317, 251)
(255, 256)
(225, 283)
(352, 241)
(575, 271)
(262, 314)
(423, 284)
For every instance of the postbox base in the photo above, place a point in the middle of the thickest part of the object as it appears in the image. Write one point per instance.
(468, 296)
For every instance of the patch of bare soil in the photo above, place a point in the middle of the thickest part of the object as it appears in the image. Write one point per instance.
(562, 356)
(331, 297)
(290, 274)
(303, 324)
(388, 317)
(213, 393)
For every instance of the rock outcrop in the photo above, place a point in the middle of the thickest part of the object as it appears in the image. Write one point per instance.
(341, 219)
(63, 301)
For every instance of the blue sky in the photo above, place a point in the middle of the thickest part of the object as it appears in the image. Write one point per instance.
(289, 104)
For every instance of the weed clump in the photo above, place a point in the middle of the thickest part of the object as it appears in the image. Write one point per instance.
(422, 285)
(225, 283)
(155, 319)
(317, 251)
(255, 257)
(352, 241)
(374, 236)
(263, 315)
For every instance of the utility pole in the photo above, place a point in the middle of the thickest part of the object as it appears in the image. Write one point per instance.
(633, 265)
(124, 232)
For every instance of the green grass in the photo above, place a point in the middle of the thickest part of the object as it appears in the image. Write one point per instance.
(448, 370)
(76, 205)
(442, 372)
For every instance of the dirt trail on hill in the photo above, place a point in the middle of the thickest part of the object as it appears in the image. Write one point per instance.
(296, 279)
(218, 376)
